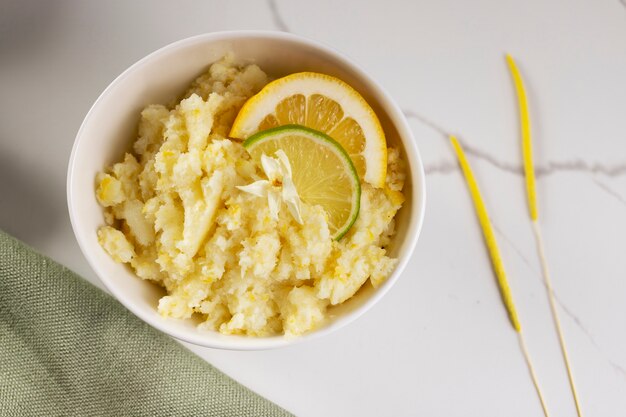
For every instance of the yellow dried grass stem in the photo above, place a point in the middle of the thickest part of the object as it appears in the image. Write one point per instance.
(533, 375)
(531, 193)
(527, 147)
(496, 260)
(490, 238)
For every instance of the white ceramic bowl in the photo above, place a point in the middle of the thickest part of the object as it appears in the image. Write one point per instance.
(110, 127)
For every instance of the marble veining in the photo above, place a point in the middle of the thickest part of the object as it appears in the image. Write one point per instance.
(609, 190)
(567, 310)
(276, 16)
(552, 167)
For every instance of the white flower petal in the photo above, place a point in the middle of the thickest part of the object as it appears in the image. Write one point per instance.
(286, 166)
(277, 169)
(259, 188)
(273, 199)
(271, 167)
(291, 198)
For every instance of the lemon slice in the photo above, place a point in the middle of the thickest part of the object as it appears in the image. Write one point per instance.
(322, 171)
(323, 103)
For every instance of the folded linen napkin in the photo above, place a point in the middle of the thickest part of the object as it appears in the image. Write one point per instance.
(67, 348)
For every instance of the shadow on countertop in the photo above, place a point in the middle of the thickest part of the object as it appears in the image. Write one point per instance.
(26, 24)
(30, 209)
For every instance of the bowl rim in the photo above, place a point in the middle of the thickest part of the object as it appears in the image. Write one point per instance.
(397, 119)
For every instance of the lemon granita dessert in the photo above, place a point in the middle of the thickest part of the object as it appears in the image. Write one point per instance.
(257, 205)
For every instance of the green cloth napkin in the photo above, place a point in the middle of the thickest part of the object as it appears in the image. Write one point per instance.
(67, 348)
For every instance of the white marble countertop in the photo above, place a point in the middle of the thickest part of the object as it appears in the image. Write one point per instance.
(439, 343)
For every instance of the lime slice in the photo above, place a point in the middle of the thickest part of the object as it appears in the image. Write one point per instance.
(322, 171)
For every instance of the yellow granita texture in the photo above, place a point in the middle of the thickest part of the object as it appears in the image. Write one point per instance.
(174, 214)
